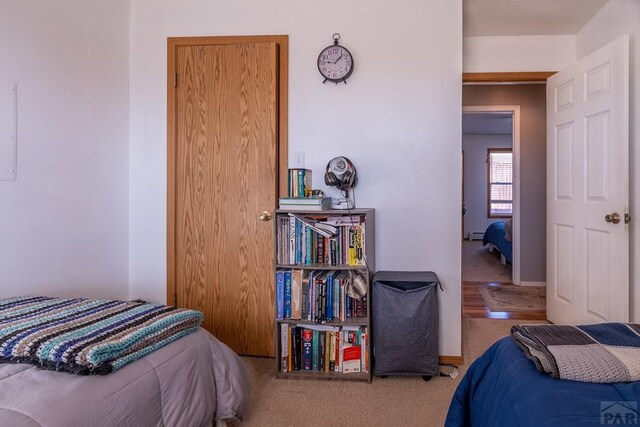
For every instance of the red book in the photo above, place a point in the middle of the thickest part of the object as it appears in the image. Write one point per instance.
(351, 359)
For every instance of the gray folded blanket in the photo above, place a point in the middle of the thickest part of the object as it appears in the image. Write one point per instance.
(602, 353)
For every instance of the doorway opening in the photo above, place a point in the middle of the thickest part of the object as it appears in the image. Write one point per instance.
(500, 120)
(489, 188)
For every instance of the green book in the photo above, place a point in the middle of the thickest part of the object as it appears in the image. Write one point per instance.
(315, 347)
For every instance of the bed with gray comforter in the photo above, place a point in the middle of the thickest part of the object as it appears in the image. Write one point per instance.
(190, 382)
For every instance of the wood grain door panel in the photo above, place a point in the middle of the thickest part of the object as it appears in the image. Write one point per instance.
(225, 175)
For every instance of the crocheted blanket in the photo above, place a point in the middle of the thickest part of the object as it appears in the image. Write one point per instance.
(602, 353)
(87, 336)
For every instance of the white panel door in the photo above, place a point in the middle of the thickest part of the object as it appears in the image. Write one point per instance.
(588, 188)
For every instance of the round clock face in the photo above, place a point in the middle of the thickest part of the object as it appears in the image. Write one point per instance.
(335, 63)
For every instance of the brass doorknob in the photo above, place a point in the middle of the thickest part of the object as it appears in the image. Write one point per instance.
(264, 216)
(613, 218)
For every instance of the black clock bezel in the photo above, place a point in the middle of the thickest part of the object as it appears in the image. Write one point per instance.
(341, 79)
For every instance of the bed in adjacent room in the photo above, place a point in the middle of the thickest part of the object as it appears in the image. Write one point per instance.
(193, 380)
(498, 236)
(504, 388)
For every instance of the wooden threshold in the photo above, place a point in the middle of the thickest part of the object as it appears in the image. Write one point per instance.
(451, 360)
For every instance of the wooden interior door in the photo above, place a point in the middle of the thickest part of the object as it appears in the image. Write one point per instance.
(223, 173)
(587, 183)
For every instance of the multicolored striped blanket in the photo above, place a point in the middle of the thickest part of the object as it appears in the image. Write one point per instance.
(602, 353)
(87, 336)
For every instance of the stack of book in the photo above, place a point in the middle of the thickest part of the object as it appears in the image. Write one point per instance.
(326, 240)
(317, 296)
(305, 204)
(323, 348)
(299, 182)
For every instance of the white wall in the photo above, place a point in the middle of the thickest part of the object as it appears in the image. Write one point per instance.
(617, 18)
(475, 178)
(63, 223)
(398, 119)
(518, 53)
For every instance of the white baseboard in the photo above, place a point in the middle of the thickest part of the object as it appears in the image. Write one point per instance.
(533, 283)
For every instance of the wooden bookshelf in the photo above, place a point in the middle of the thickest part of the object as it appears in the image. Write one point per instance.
(368, 216)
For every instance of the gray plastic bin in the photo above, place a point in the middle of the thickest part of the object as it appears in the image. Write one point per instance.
(405, 323)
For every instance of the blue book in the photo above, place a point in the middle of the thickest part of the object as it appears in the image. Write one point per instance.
(310, 295)
(348, 307)
(287, 294)
(280, 293)
(330, 296)
(298, 242)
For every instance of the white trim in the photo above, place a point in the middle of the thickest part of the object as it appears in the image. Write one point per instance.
(540, 284)
(515, 110)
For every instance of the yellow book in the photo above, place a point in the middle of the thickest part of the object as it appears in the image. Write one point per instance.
(327, 351)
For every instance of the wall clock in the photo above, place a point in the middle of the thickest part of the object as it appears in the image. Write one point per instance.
(335, 62)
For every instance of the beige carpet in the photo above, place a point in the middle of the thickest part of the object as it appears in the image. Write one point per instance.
(479, 265)
(514, 298)
(406, 401)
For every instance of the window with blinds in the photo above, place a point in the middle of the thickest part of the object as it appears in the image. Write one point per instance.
(500, 197)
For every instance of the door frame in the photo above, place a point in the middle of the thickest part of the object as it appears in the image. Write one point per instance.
(515, 111)
(173, 43)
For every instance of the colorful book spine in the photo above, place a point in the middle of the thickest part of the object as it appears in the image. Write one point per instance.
(307, 356)
(320, 250)
(333, 255)
(290, 347)
(284, 343)
(292, 240)
(315, 347)
(330, 297)
(280, 294)
(321, 349)
(287, 294)
(296, 294)
(301, 183)
(297, 348)
(363, 351)
(327, 351)
(310, 286)
(298, 242)
(308, 260)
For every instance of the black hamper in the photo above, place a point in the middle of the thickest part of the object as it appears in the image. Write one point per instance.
(405, 323)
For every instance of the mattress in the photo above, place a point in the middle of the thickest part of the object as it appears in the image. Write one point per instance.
(504, 388)
(495, 234)
(189, 382)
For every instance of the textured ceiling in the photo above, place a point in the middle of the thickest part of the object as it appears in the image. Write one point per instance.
(527, 17)
(487, 124)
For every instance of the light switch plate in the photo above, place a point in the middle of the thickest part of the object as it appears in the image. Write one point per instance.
(298, 159)
(9, 134)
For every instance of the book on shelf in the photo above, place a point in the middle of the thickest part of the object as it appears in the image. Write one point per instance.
(280, 294)
(284, 347)
(317, 296)
(300, 181)
(314, 241)
(327, 349)
(305, 201)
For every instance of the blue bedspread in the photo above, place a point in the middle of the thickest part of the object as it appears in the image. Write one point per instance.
(495, 234)
(503, 388)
